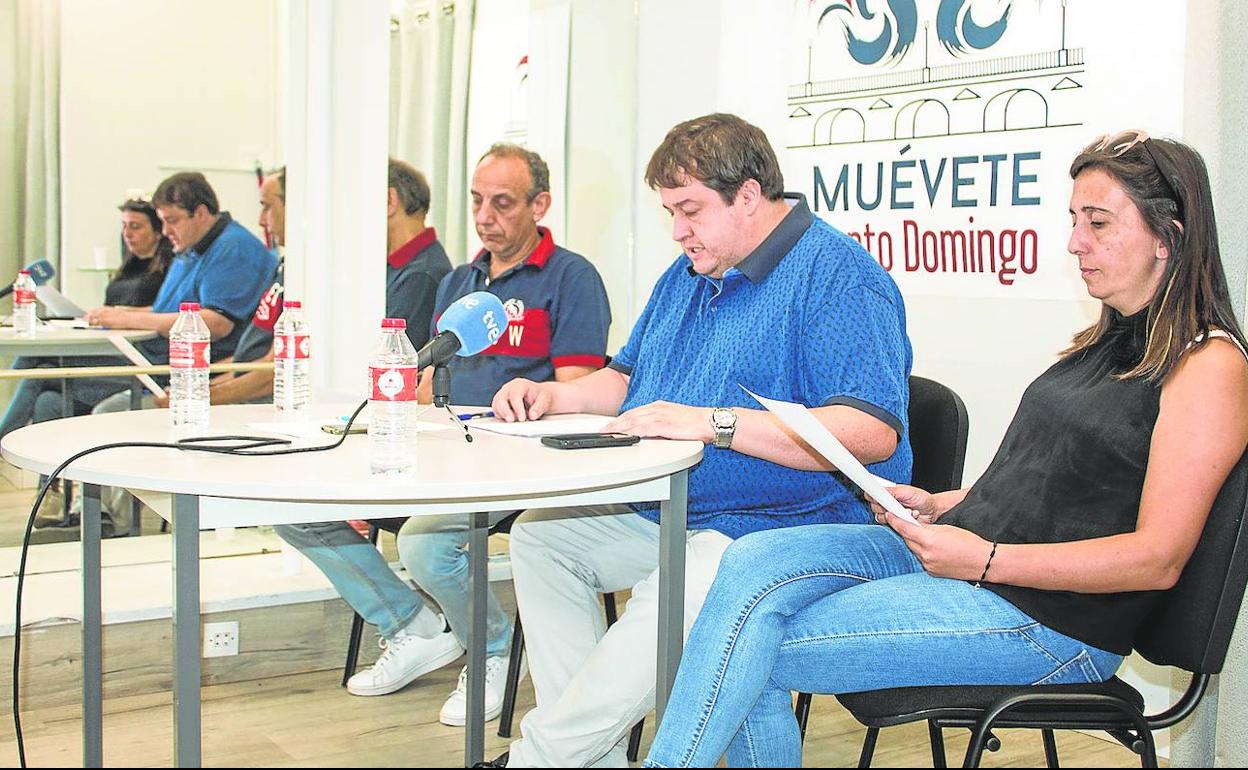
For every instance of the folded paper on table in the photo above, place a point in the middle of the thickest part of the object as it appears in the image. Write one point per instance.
(553, 425)
(822, 441)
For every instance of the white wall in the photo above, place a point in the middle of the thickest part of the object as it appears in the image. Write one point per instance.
(601, 150)
(338, 57)
(1215, 113)
(496, 110)
(9, 193)
(152, 87)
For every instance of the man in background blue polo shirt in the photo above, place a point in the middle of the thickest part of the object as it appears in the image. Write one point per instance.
(217, 263)
(558, 320)
(766, 296)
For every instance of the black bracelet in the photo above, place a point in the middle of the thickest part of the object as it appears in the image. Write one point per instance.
(989, 564)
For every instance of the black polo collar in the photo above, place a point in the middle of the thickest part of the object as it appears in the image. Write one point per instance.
(780, 241)
(214, 232)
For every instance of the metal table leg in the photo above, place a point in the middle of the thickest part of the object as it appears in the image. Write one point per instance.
(136, 507)
(478, 559)
(187, 751)
(673, 523)
(67, 410)
(92, 651)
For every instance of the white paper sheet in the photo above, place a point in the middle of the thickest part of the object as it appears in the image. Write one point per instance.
(822, 441)
(547, 426)
(313, 428)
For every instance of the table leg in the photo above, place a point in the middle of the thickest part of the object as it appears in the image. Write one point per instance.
(186, 664)
(66, 411)
(673, 522)
(479, 578)
(136, 507)
(67, 487)
(92, 651)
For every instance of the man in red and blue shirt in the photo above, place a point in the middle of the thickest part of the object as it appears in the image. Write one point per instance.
(555, 300)
(558, 319)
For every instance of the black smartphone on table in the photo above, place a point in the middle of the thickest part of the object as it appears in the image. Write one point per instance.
(589, 440)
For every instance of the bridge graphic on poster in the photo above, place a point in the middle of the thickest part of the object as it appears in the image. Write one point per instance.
(1011, 93)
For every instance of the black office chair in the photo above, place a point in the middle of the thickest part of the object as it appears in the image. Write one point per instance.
(938, 431)
(1191, 629)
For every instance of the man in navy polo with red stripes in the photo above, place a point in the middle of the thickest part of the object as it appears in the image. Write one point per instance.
(555, 299)
(558, 319)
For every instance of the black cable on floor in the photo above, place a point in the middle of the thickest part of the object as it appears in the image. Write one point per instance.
(240, 446)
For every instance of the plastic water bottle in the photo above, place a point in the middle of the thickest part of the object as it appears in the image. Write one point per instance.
(392, 402)
(24, 305)
(291, 363)
(189, 353)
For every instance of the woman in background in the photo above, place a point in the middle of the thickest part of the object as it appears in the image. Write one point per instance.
(146, 258)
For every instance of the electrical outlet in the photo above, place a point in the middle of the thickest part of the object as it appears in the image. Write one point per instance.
(220, 639)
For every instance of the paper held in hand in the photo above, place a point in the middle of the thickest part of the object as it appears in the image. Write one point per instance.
(821, 439)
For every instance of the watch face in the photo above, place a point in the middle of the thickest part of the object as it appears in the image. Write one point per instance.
(723, 418)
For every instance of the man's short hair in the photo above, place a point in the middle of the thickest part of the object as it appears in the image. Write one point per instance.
(411, 187)
(187, 190)
(539, 174)
(281, 182)
(719, 150)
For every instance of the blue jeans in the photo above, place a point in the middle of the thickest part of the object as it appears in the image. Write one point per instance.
(21, 409)
(437, 562)
(434, 551)
(840, 608)
(41, 400)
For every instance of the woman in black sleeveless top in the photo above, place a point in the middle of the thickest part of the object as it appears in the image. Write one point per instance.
(1091, 507)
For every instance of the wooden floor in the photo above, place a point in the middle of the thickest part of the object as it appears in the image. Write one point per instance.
(309, 720)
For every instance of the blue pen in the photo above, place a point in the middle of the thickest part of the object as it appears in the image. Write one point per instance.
(474, 415)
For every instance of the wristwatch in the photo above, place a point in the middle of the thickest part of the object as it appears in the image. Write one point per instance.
(724, 421)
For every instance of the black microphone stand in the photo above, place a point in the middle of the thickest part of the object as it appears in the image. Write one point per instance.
(442, 396)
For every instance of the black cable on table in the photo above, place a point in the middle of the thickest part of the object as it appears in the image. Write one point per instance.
(239, 446)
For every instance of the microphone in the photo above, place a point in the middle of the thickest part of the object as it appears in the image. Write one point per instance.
(41, 272)
(470, 325)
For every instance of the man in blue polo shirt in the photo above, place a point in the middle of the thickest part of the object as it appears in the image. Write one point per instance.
(217, 263)
(765, 296)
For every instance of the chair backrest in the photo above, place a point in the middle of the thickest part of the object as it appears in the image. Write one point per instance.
(938, 429)
(1191, 627)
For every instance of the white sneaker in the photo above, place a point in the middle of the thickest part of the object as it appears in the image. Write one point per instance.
(403, 659)
(456, 707)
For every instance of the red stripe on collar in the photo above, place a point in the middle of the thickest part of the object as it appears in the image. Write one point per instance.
(410, 250)
(539, 256)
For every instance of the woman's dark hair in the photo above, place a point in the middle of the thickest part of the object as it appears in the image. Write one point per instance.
(164, 249)
(1169, 184)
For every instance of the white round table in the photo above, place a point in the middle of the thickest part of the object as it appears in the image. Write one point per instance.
(492, 473)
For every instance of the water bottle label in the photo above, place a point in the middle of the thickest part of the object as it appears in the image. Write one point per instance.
(23, 296)
(188, 355)
(392, 383)
(298, 346)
